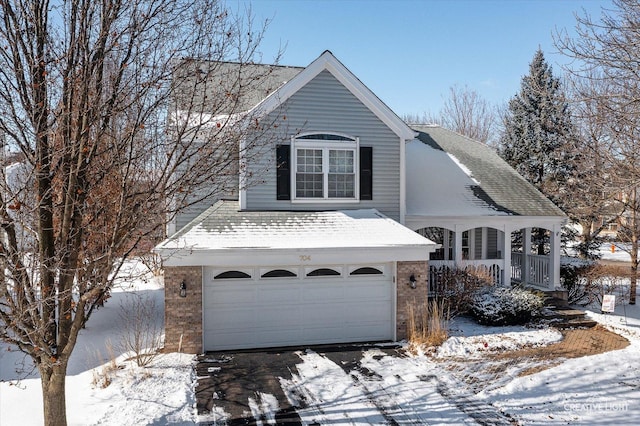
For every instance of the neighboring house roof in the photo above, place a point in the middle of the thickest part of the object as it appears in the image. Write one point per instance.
(223, 228)
(227, 87)
(451, 175)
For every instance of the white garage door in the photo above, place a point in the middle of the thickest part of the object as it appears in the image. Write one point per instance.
(309, 307)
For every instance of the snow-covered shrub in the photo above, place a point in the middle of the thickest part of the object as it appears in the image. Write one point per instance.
(506, 306)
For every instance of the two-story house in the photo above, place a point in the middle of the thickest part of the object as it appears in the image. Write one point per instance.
(323, 247)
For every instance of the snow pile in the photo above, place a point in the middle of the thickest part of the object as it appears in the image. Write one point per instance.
(161, 393)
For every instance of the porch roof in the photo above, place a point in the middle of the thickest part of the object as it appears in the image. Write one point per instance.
(451, 175)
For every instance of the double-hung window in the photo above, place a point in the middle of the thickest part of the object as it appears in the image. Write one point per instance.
(325, 167)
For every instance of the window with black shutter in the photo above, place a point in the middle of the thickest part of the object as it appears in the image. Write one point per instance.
(283, 172)
(366, 173)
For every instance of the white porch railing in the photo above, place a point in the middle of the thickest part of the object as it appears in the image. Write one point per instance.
(516, 266)
(440, 269)
(538, 270)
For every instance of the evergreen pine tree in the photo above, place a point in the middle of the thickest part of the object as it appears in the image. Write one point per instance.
(539, 138)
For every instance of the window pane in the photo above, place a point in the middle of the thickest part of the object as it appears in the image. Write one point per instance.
(309, 185)
(323, 272)
(341, 186)
(231, 275)
(309, 181)
(326, 137)
(340, 161)
(309, 160)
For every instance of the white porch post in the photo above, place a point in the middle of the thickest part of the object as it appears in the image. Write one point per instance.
(554, 257)
(485, 245)
(457, 247)
(506, 271)
(526, 251)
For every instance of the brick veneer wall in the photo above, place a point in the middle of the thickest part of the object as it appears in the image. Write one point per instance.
(407, 295)
(183, 315)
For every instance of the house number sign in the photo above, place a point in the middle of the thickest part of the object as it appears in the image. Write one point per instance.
(305, 258)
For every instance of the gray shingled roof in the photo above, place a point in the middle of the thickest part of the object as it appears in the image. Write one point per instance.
(218, 82)
(498, 184)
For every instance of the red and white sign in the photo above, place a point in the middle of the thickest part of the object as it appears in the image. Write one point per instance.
(609, 303)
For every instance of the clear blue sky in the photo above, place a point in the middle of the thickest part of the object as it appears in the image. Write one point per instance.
(410, 52)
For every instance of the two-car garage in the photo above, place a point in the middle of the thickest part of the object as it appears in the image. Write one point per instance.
(286, 306)
(239, 279)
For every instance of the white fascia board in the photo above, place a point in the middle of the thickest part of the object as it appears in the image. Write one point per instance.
(328, 62)
(276, 257)
(500, 222)
(403, 182)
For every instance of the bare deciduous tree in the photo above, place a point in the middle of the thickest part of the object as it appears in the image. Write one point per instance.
(605, 53)
(465, 112)
(85, 91)
(595, 202)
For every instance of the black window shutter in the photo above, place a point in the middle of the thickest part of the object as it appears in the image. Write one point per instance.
(283, 172)
(366, 173)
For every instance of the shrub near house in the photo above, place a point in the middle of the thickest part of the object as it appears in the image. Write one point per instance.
(506, 306)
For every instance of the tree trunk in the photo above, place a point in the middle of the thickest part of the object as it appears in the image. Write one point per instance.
(634, 249)
(634, 270)
(53, 394)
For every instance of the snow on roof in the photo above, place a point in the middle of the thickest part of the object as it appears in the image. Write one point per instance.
(438, 184)
(449, 175)
(224, 227)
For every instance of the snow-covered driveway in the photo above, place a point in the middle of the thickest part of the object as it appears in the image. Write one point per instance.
(353, 385)
(381, 389)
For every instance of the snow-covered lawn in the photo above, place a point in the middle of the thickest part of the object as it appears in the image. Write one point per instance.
(454, 385)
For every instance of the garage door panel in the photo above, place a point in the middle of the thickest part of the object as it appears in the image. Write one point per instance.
(274, 338)
(269, 294)
(229, 339)
(278, 317)
(367, 331)
(219, 294)
(326, 315)
(372, 290)
(233, 319)
(315, 290)
(291, 312)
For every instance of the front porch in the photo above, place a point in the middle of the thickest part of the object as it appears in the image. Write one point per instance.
(535, 275)
(529, 256)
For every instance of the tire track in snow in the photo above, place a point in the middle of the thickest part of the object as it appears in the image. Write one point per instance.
(483, 413)
(384, 401)
(324, 393)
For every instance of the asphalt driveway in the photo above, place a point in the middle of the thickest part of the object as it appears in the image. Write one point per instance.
(350, 384)
(237, 383)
